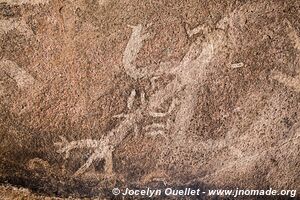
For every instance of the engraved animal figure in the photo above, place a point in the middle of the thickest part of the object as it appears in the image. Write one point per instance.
(191, 71)
(193, 68)
(104, 147)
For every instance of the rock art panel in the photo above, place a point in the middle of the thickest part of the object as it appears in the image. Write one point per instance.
(96, 95)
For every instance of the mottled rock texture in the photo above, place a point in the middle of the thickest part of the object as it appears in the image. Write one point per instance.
(96, 94)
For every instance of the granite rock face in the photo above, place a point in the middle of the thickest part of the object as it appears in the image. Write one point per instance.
(102, 94)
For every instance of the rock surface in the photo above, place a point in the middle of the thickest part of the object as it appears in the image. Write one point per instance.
(102, 94)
